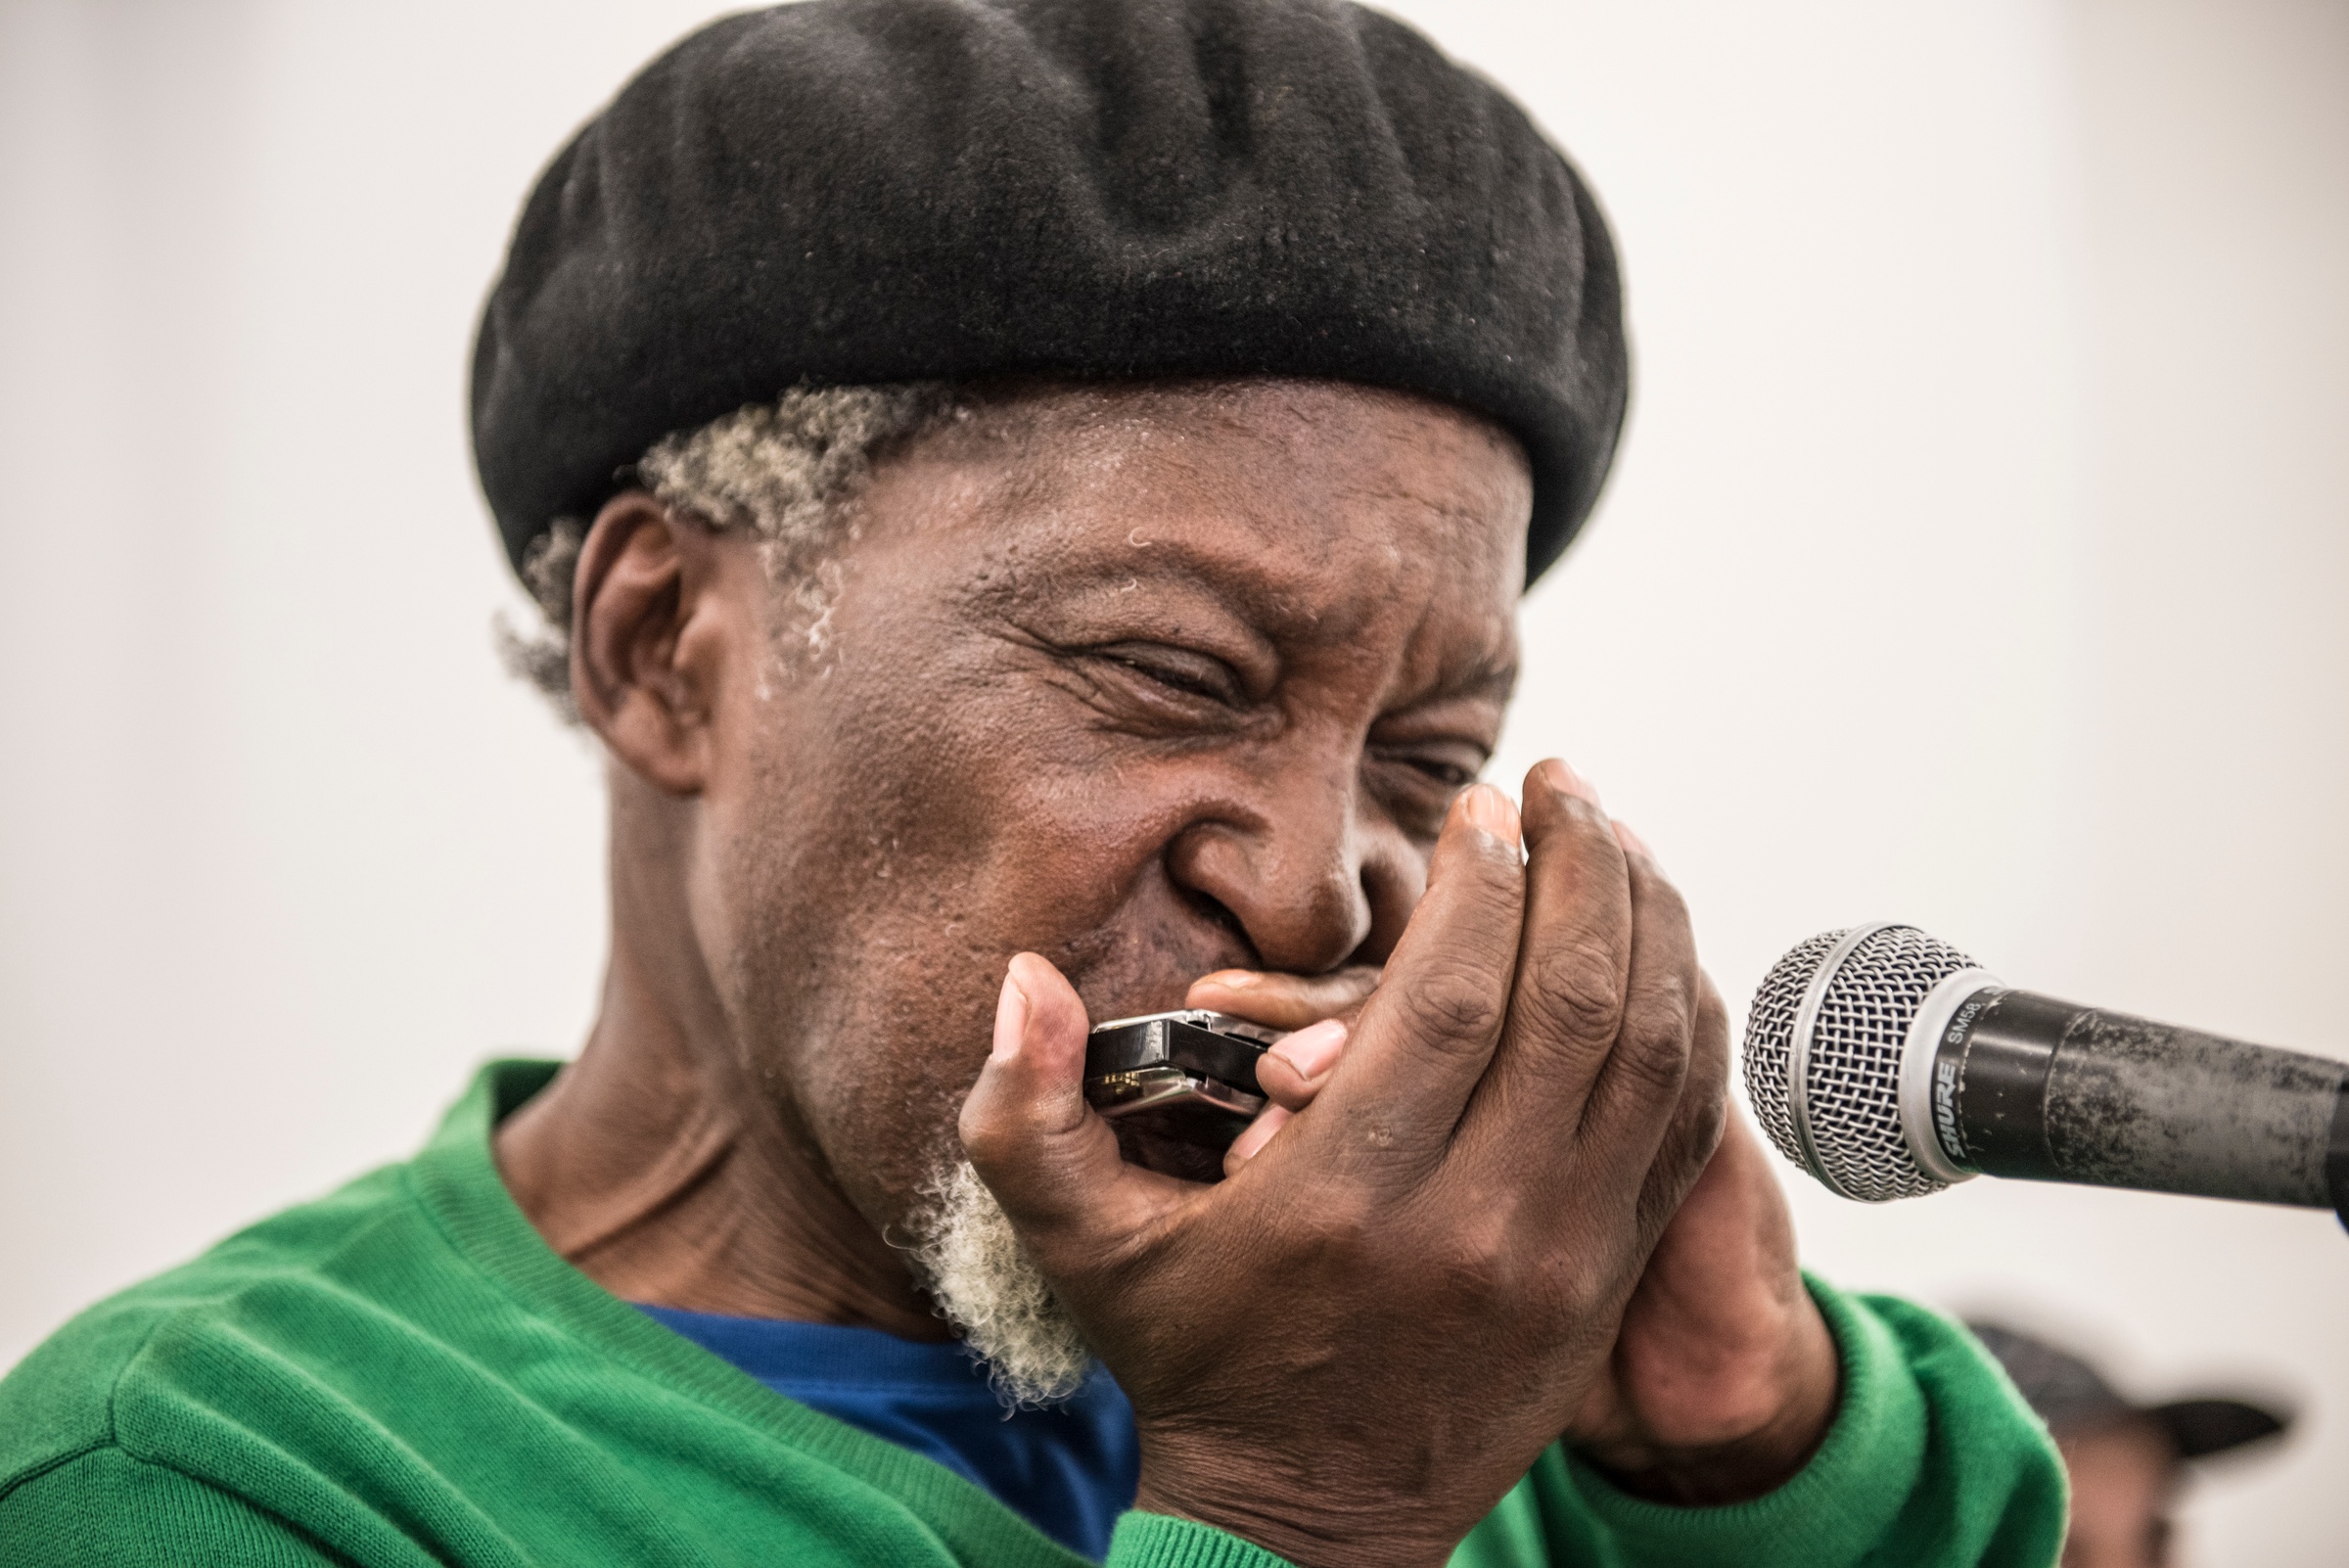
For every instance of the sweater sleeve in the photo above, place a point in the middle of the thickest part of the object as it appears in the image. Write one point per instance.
(104, 1508)
(1934, 1461)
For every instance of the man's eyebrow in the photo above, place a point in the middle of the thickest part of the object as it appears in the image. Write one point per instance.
(1266, 608)
(1491, 679)
(1496, 679)
(1235, 579)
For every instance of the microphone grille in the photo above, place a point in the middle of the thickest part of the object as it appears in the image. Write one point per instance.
(1842, 1122)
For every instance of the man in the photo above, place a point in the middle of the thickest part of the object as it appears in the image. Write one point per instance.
(1031, 498)
(2127, 1461)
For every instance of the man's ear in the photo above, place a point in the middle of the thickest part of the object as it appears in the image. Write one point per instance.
(650, 629)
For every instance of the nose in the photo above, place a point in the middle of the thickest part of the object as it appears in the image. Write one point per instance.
(1313, 878)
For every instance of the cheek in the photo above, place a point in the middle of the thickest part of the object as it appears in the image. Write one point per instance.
(901, 841)
(968, 809)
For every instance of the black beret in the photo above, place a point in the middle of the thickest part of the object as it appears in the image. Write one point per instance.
(857, 191)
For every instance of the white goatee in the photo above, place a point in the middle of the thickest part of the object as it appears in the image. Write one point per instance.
(993, 1293)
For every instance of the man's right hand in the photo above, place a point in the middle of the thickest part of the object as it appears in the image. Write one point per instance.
(1350, 1350)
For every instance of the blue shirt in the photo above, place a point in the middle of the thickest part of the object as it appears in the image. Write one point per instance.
(1069, 1469)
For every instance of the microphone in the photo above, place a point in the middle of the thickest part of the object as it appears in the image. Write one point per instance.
(1890, 1065)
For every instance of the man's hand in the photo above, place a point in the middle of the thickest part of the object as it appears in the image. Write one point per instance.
(1318, 1010)
(1723, 1376)
(1351, 1349)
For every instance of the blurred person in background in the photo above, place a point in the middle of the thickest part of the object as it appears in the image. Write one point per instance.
(2128, 1462)
(1030, 500)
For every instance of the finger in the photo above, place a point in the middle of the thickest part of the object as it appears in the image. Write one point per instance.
(1257, 1134)
(1049, 1157)
(1646, 1089)
(1701, 1123)
(1572, 972)
(1279, 1000)
(1296, 1068)
(1426, 1035)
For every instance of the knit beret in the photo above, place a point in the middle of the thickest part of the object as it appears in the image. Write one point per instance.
(855, 190)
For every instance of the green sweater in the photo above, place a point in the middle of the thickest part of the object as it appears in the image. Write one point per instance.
(403, 1373)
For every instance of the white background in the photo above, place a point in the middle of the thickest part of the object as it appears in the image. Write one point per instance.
(1976, 557)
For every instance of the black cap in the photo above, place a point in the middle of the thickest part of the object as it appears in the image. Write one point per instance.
(861, 191)
(2073, 1398)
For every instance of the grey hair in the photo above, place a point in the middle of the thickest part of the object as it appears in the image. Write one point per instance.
(783, 473)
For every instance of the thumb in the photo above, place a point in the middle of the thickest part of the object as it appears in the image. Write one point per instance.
(1049, 1159)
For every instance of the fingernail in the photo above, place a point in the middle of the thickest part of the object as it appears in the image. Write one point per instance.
(1487, 808)
(1566, 779)
(1011, 1021)
(1314, 1050)
(1633, 840)
(1231, 978)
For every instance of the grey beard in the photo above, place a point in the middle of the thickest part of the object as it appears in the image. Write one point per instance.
(987, 1287)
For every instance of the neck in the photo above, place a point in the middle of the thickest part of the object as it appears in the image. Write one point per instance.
(671, 1178)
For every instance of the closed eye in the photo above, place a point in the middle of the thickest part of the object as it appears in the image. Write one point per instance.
(1181, 671)
(1449, 774)
(1418, 779)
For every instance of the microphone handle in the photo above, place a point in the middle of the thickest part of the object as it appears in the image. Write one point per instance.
(2027, 1086)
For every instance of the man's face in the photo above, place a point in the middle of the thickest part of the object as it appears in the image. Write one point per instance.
(1152, 681)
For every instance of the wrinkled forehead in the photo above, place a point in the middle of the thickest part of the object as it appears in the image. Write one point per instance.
(1320, 508)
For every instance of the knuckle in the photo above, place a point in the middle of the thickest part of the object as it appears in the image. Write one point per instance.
(1654, 1056)
(1453, 1007)
(1651, 1077)
(1577, 988)
(1342, 1226)
(1479, 1262)
(1560, 1294)
(1573, 1282)
(1658, 1039)
(1709, 1049)
(1666, 1014)
(1707, 1120)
